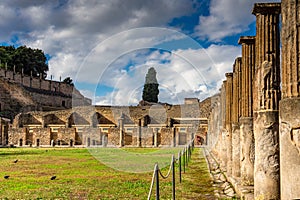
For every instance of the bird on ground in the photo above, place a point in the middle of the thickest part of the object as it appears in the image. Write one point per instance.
(6, 176)
(53, 177)
(16, 161)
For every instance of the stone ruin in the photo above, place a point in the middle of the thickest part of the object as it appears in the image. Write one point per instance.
(23, 93)
(254, 126)
(115, 126)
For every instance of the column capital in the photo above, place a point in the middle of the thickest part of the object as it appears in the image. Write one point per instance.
(247, 40)
(228, 74)
(266, 8)
(236, 62)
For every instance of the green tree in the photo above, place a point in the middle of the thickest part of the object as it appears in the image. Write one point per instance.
(32, 61)
(150, 91)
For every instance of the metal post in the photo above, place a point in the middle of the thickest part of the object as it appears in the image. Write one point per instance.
(186, 156)
(189, 152)
(183, 157)
(157, 182)
(173, 177)
(179, 166)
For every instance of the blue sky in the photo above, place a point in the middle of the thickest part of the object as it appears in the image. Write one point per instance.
(106, 47)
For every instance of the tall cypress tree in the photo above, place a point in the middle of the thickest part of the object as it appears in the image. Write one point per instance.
(150, 91)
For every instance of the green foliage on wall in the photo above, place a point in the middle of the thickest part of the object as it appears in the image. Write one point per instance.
(31, 61)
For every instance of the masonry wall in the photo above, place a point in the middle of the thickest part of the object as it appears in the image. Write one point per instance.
(21, 93)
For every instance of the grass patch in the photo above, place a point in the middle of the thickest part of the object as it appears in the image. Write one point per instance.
(82, 174)
(197, 183)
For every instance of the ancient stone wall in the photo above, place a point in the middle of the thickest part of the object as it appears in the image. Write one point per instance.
(16, 135)
(147, 137)
(167, 136)
(37, 83)
(255, 89)
(290, 103)
(22, 93)
(114, 137)
(14, 99)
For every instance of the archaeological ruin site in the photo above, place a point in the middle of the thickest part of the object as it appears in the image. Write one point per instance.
(251, 127)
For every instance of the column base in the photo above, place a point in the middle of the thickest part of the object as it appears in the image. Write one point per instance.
(266, 165)
(290, 148)
(236, 150)
(247, 151)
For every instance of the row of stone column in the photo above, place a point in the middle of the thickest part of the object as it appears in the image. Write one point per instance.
(252, 111)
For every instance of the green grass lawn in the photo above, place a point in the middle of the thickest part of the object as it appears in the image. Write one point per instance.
(82, 174)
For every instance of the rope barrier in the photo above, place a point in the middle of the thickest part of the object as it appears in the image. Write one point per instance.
(152, 182)
(186, 155)
(170, 168)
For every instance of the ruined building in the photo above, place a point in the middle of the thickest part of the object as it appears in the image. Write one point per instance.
(37, 112)
(115, 126)
(22, 93)
(254, 125)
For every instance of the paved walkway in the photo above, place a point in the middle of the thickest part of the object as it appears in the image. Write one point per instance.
(223, 189)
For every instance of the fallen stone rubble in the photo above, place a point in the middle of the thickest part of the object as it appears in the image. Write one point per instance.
(223, 188)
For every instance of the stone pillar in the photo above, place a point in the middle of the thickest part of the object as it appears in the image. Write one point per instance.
(290, 103)
(228, 122)
(1, 135)
(266, 101)
(246, 117)
(214, 141)
(121, 128)
(173, 137)
(139, 134)
(223, 146)
(155, 137)
(235, 118)
(101, 137)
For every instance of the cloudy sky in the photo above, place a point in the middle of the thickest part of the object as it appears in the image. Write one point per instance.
(107, 47)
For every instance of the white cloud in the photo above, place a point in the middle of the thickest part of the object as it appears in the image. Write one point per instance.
(188, 73)
(227, 18)
(85, 41)
(73, 28)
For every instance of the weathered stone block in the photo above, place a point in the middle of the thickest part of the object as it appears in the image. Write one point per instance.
(290, 148)
(247, 150)
(266, 169)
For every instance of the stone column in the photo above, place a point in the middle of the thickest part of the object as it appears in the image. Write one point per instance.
(121, 133)
(214, 125)
(235, 118)
(290, 103)
(173, 137)
(266, 101)
(1, 135)
(223, 146)
(139, 134)
(246, 117)
(156, 137)
(228, 122)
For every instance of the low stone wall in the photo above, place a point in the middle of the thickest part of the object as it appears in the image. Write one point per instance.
(41, 136)
(17, 134)
(147, 139)
(114, 137)
(89, 136)
(66, 136)
(167, 136)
